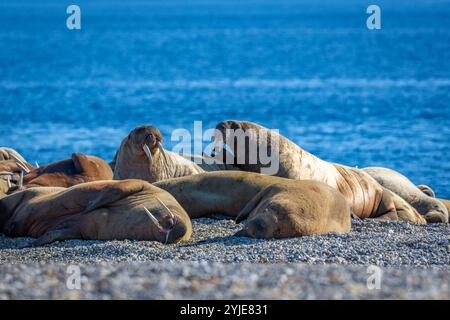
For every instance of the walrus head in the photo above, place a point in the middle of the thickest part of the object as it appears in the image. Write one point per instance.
(136, 156)
(275, 219)
(170, 225)
(247, 146)
(144, 140)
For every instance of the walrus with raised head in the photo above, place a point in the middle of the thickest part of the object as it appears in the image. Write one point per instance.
(141, 156)
(100, 210)
(77, 169)
(366, 197)
(272, 207)
(432, 209)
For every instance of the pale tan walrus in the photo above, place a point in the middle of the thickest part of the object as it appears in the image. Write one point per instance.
(100, 210)
(141, 156)
(10, 154)
(273, 207)
(432, 209)
(77, 169)
(366, 197)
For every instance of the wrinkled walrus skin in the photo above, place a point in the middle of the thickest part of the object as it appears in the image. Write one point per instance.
(273, 207)
(69, 172)
(155, 163)
(366, 197)
(100, 210)
(432, 209)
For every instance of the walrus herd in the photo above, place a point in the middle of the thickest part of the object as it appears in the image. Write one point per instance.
(149, 193)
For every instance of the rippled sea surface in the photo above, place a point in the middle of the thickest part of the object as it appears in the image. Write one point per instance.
(309, 68)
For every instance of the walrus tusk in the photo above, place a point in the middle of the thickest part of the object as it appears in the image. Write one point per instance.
(37, 164)
(21, 180)
(6, 173)
(147, 152)
(19, 161)
(170, 211)
(8, 181)
(152, 217)
(22, 167)
(167, 237)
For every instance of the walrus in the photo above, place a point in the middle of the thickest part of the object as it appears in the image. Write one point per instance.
(141, 156)
(273, 207)
(366, 197)
(77, 169)
(432, 209)
(99, 210)
(10, 154)
(430, 192)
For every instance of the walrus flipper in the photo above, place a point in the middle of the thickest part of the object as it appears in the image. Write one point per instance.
(252, 204)
(427, 190)
(112, 193)
(59, 234)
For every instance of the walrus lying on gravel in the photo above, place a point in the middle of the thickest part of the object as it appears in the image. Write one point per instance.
(141, 156)
(100, 210)
(66, 173)
(431, 208)
(366, 197)
(273, 207)
(429, 192)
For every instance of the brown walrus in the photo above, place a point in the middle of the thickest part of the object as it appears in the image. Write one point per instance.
(273, 207)
(432, 209)
(69, 172)
(100, 210)
(141, 156)
(366, 197)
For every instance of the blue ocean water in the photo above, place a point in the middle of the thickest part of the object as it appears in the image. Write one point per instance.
(309, 68)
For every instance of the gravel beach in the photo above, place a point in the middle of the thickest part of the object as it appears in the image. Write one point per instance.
(214, 264)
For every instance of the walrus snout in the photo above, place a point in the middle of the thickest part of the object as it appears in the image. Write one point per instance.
(148, 136)
(169, 223)
(436, 217)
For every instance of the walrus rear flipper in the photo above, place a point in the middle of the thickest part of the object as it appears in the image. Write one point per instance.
(427, 190)
(252, 204)
(59, 234)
